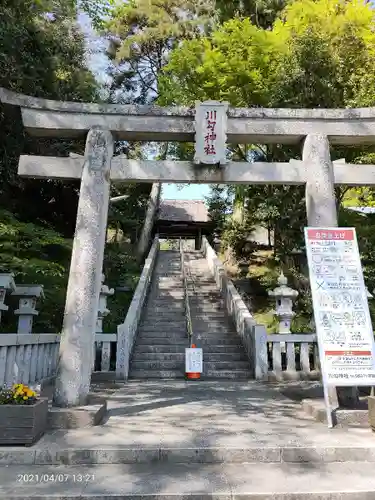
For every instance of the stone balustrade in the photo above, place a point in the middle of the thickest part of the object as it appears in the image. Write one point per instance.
(244, 321)
(299, 361)
(301, 358)
(105, 349)
(27, 358)
(32, 358)
(127, 331)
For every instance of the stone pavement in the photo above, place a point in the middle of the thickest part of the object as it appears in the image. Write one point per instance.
(212, 439)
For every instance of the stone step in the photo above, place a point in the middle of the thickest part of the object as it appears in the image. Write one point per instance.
(170, 293)
(167, 480)
(163, 365)
(168, 278)
(232, 374)
(206, 306)
(180, 356)
(174, 317)
(203, 327)
(216, 350)
(153, 330)
(176, 364)
(208, 345)
(162, 334)
(159, 282)
(178, 322)
(166, 307)
(179, 299)
(156, 374)
(143, 340)
(175, 374)
(162, 316)
(152, 325)
(218, 316)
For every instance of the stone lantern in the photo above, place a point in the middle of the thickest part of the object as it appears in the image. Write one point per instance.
(6, 283)
(26, 310)
(284, 298)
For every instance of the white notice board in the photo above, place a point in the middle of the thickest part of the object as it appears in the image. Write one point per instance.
(342, 317)
(193, 360)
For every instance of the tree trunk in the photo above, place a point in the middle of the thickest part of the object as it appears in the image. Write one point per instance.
(152, 207)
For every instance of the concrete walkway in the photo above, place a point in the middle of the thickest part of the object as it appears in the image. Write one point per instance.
(172, 437)
(189, 415)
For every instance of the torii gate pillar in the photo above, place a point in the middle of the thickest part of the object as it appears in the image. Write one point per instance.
(77, 337)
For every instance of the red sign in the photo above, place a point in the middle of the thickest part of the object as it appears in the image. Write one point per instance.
(331, 234)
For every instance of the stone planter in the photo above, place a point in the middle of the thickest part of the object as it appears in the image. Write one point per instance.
(23, 424)
(371, 410)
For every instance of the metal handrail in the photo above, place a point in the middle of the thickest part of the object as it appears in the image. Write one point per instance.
(189, 325)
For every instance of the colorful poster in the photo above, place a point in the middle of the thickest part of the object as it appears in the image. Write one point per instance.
(193, 360)
(342, 317)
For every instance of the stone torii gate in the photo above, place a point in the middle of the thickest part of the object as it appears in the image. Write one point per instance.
(316, 129)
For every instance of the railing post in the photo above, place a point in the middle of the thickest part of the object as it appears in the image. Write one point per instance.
(26, 311)
(103, 311)
(261, 353)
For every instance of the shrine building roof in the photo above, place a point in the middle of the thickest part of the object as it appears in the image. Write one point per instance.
(183, 211)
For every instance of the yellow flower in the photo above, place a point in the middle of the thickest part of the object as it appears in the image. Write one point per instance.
(25, 397)
(30, 393)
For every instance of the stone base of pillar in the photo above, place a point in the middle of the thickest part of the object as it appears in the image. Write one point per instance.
(348, 397)
(77, 417)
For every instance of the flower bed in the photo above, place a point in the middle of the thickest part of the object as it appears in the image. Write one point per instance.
(23, 416)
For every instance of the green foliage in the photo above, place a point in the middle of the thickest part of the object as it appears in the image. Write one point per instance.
(39, 255)
(143, 32)
(232, 65)
(219, 204)
(261, 12)
(41, 54)
(36, 255)
(121, 270)
(236, 236)
(315, 55)
(98, 11)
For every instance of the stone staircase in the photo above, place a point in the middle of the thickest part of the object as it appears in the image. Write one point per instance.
(159, 351)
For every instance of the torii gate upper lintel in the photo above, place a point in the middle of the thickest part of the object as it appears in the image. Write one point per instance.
(43, 117)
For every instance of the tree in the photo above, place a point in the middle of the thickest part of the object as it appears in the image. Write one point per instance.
(316, 55)
(219, 205)
(41, 54)
(262, 13)
(142, 33)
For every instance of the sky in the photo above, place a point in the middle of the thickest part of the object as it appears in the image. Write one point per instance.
(191, 192)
